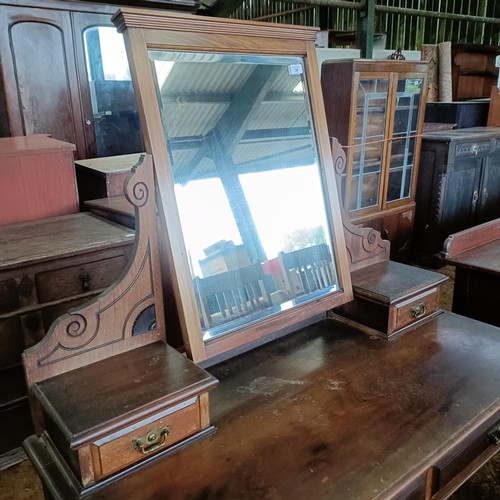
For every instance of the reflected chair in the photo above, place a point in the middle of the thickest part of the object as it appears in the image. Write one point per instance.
(308, 269)
(231, 294)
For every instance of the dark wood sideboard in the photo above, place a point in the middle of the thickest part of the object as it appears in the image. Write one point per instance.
(458, 185)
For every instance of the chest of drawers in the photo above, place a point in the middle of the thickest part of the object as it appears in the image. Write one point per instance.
(47, 267)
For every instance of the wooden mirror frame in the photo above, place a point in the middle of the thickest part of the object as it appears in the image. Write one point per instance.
(152, 30)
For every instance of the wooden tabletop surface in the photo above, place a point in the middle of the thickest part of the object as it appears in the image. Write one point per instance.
(55, 237)
(328, 412)
(485, 257)
(109, 164)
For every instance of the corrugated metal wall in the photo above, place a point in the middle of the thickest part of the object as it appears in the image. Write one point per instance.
(407, 32)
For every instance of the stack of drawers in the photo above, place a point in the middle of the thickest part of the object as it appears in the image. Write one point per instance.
(47, 267)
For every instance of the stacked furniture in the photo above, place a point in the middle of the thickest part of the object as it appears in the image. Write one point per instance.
(52, 258)
(328, 411)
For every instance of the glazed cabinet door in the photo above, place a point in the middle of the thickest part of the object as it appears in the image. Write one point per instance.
(366, 152)
(65, 73)
(404, 139)
(111, 122)
(39, 74)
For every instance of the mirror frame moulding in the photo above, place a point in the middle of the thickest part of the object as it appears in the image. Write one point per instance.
(145, 30)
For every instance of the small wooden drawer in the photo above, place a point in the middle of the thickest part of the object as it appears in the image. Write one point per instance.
(138, 441)
(413, 309)
(129, 409)
(73, 280)
(391, 298)
(8, 296)
(11, 342)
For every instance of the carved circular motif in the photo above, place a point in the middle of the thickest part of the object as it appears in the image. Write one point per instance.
(370, 241)
(339, 165)
(76, 326)
(139, 194)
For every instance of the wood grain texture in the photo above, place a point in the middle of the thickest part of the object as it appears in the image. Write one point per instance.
(161, 378)
(471, 238)
(76, 339)
(115, 208)
(37, 178)
(389, 282)
(140, 18)
(332, 413)
(58, 237)
(475, 254)
(39, 73)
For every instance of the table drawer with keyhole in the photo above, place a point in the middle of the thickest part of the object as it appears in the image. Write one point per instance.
(47, 267)
(77, 279)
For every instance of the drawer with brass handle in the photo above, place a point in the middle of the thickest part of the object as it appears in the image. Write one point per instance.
(77, 279)
(414, 309)
(130, 445)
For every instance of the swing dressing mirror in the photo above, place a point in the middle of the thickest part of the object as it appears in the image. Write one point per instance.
(247, 197)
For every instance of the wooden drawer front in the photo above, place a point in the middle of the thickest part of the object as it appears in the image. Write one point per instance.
(15, 420)
(8, 296)
(413, 309)
(117, 451)
(11, 342)
(74, 280)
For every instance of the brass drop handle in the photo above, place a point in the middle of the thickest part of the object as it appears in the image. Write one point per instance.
(85, 279)
(26, 286)
(475, 197)
(418, 311)
(494, 435)
(152, 441)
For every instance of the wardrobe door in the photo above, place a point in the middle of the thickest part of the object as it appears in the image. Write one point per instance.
(39, 74)
(111, 122)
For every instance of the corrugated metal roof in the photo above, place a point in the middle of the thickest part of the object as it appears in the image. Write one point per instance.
(234, 107)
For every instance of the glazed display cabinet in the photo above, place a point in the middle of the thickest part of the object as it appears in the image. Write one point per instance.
(376, 110)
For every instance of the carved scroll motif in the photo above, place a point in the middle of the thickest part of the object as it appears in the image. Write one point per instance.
(107, 325)
(365, 245)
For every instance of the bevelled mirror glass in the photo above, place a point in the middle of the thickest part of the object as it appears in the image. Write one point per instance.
(244, 173)
(247, 184)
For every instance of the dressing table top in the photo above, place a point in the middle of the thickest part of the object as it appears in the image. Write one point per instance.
(329, 412)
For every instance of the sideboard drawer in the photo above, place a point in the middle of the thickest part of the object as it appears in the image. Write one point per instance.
(8, 296)
(47, 267)
(73, 280)
(136, 442)
(414, 309)
(11, 343)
